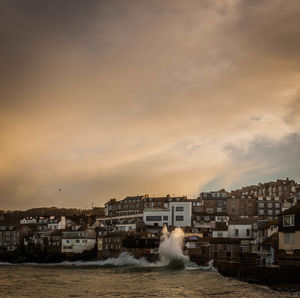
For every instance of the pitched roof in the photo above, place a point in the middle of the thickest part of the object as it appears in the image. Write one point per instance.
(273, 222)
(272, 240)
(221, 240)
(293, 210)
(242, 221)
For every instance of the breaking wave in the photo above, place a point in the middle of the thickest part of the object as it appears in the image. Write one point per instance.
(170, 255)
(124, 259)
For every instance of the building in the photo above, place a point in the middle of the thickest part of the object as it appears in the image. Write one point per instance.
(271, 198)
(9, 237)
(143, 244)
(135, 205)
(289, 236)
(78, 240)
(198, 249)
(239, 205)
(281, 188)
(110, 244)
(197, 206)
(267, 250)
(221, 230)
(225, 249)
(240, 228)
(177, 214)
(214, 201)
(268, 207)
(208, 220)
(53, 243)
(28, 221)
(57, 223)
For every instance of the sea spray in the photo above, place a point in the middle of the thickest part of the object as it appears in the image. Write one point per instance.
(123, 260)
(170, 254)
(170, 248)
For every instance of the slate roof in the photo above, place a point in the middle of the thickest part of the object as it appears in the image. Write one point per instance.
(293, 210)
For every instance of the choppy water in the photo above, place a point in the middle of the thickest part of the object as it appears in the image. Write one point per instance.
(129, 281)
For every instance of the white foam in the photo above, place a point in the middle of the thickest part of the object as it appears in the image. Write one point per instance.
(170, 249)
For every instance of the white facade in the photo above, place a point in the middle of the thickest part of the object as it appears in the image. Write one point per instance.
(78, 241)
(77, 245)
(240, 231)
(55, 224)
(222, 218)
(28, 220)
(220, 234)
(126, 227)
(178, 214)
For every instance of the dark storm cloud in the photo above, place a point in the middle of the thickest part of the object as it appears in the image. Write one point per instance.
(31, 30)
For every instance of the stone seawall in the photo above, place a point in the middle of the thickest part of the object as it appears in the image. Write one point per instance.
(273, 276)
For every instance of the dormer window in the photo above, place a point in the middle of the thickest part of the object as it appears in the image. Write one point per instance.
(289, 220)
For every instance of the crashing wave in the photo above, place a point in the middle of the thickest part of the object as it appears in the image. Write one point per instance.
(170, 255)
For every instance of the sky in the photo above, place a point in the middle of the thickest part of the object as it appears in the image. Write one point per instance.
(104, 99)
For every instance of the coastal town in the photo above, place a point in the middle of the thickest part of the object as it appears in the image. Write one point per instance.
(251, 232)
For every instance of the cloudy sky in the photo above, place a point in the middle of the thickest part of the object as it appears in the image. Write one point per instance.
(112, 98)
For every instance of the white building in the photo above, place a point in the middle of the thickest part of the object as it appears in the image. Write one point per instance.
(28, 220)
(126, 227)
(220, 234)
(56, 223)
(178, 214)
(77, 241)
(240, 230)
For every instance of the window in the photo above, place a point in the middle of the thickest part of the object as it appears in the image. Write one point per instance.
(270, 212)
(165, 217)
(248, 232)
(77, 241)
(219, 209)
(219, 234)
(209, 210)
(261, 212)
(153, 218)
(289, 220)
(277, 212)
(277, 205)
(236, 232)
(180, 208)
(179, 218)
(270, 205)
(288, 238)
(261, 205)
